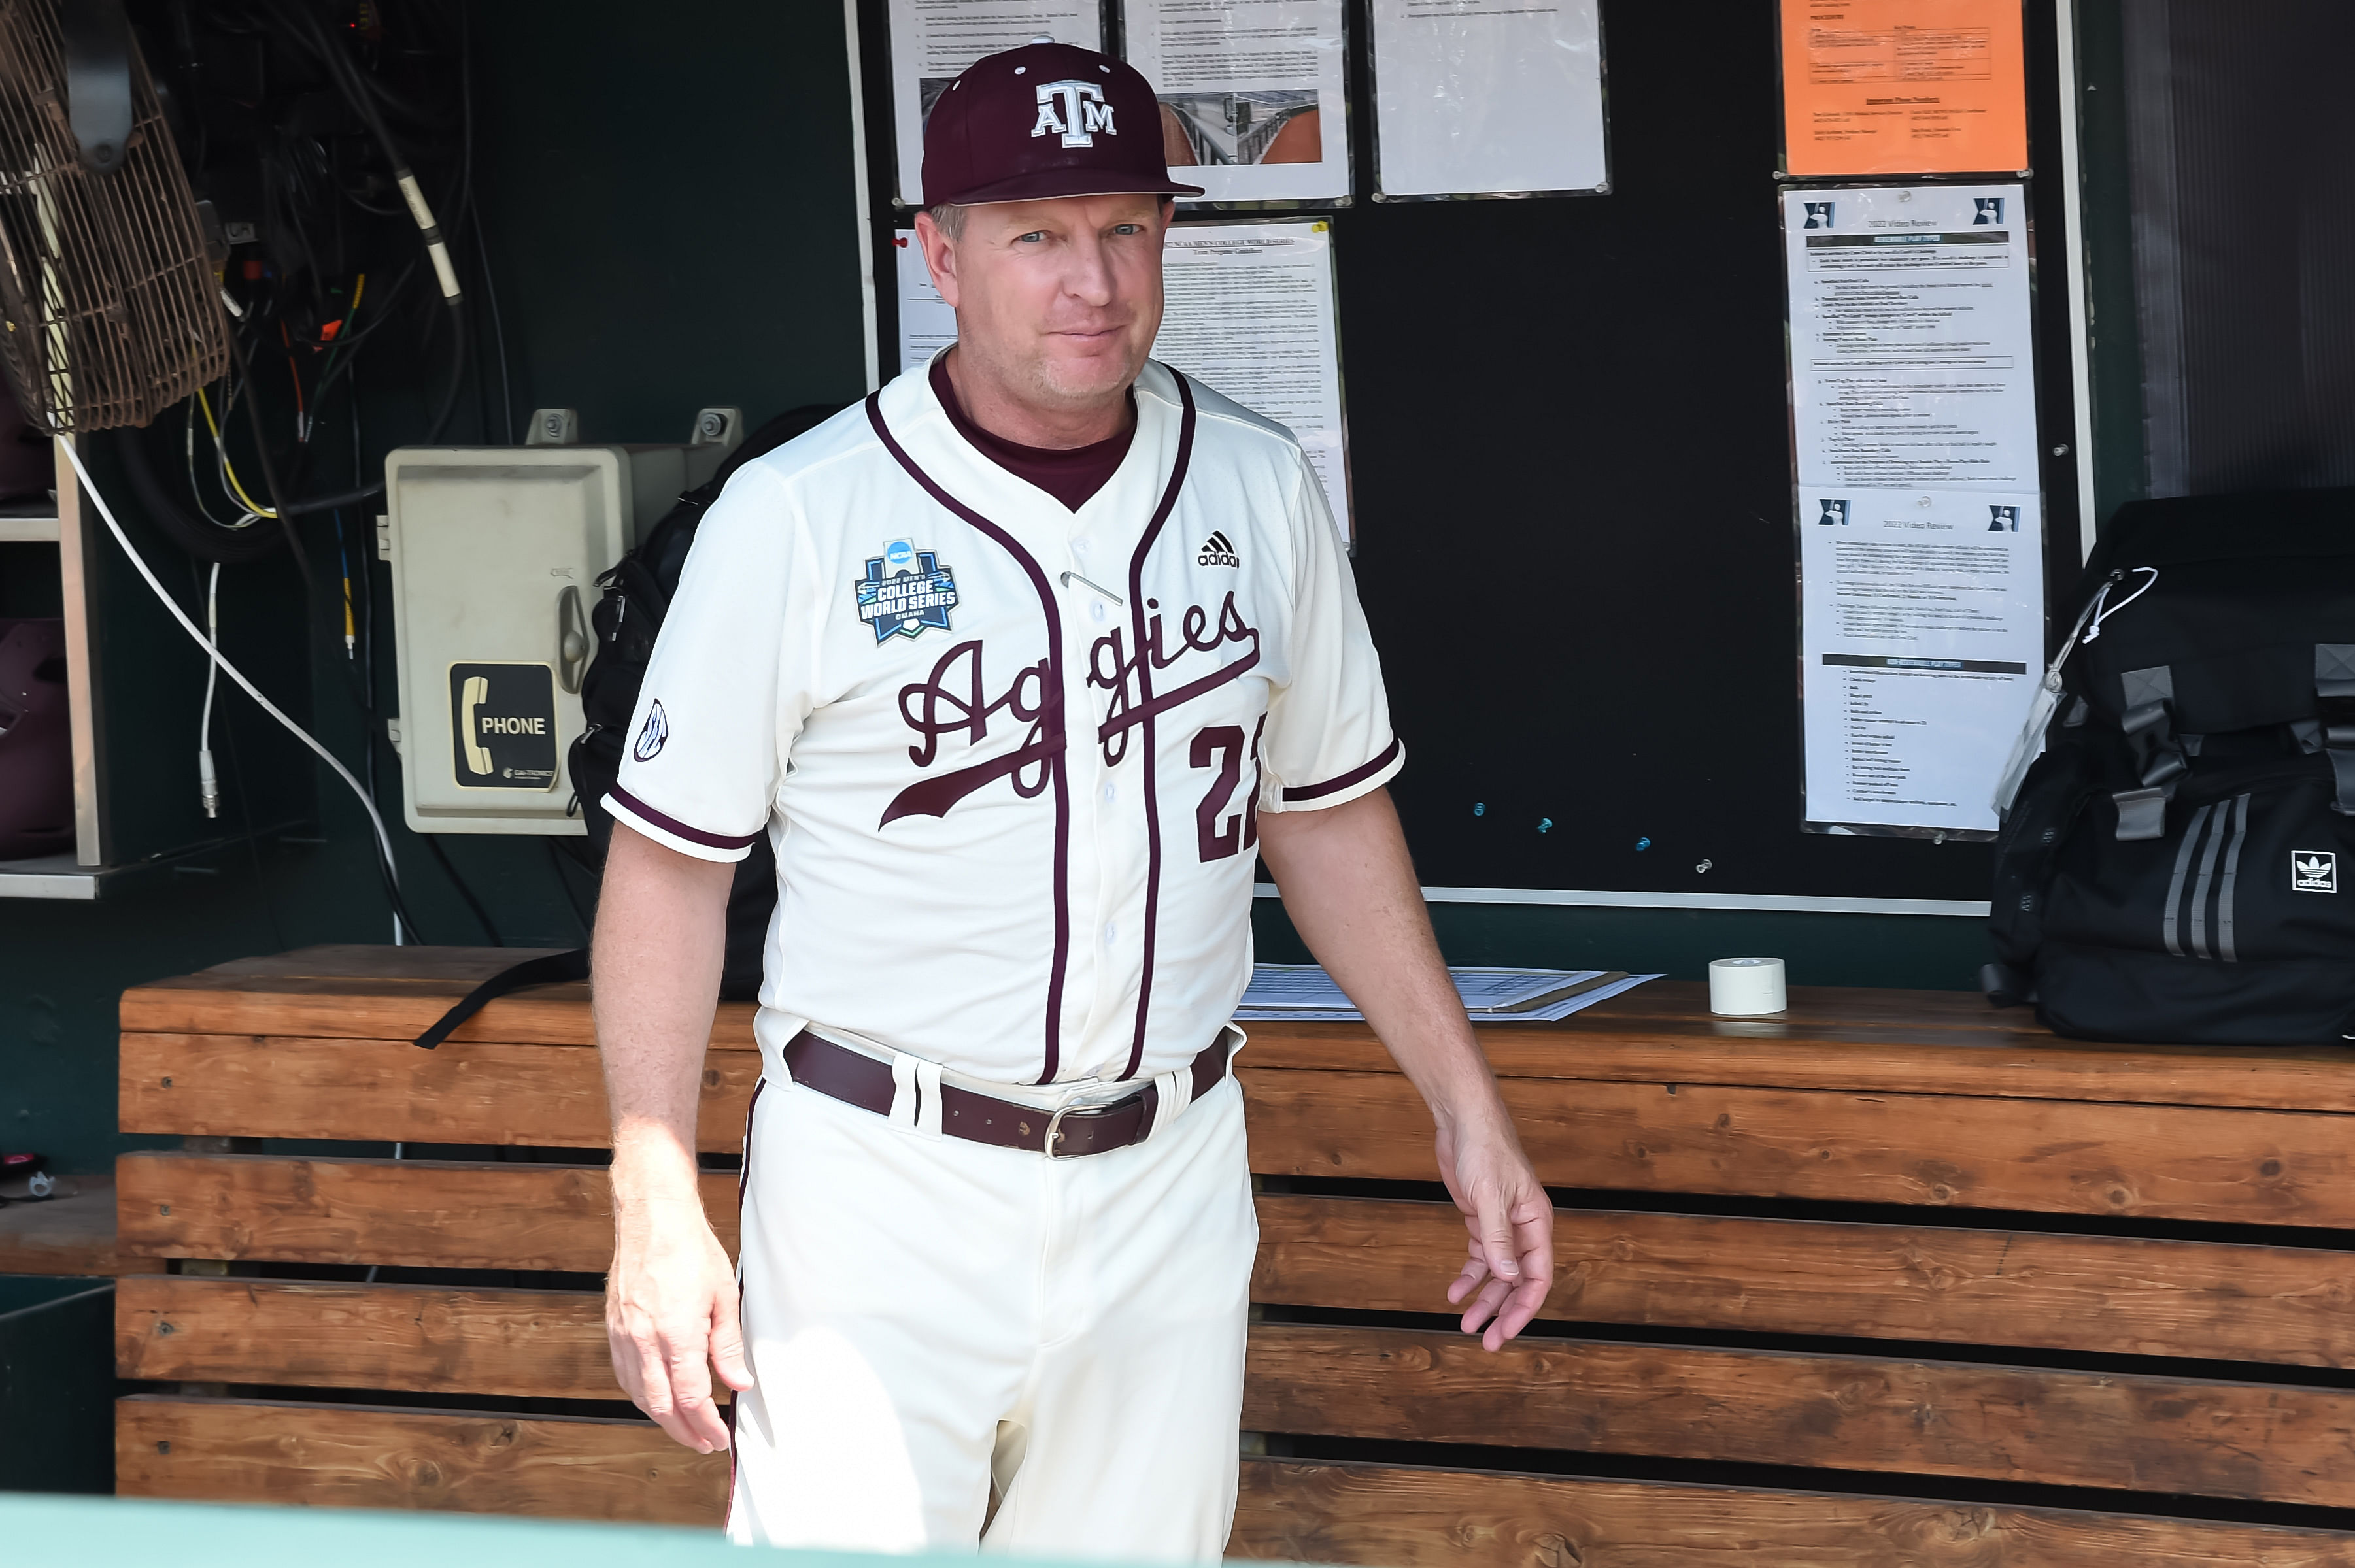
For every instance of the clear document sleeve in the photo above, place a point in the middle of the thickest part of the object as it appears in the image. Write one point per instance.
(1922, 644)
(1912, 353)
(1488, 97)
(1251, 311)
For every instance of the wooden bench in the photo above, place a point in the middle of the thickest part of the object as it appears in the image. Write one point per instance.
(1749, 1206)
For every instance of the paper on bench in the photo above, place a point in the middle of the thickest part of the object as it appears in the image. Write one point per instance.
(1305, 993)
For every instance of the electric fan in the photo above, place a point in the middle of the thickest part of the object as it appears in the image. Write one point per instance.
(112, 307)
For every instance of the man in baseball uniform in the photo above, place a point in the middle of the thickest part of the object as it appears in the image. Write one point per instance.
(1019, 664)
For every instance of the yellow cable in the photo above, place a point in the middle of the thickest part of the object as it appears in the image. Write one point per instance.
(222, 449)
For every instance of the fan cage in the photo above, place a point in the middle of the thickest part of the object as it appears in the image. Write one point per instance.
(113, 308)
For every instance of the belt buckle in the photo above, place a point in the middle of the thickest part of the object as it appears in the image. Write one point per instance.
(1055, 1124)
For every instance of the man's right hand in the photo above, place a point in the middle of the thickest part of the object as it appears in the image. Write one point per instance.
(671, 1318)
(670, 1300)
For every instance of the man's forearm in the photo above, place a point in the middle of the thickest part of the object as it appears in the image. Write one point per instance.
(661, 938)
(1349, 886)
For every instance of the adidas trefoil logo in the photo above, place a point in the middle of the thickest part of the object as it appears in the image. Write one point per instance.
(1217, 550)
(2314, 871)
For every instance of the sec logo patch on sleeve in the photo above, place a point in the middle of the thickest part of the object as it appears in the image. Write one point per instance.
(652, 734)
(905, 592)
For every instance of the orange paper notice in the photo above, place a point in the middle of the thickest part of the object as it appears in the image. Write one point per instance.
(1903, 87)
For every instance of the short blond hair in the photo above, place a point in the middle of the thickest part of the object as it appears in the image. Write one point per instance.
(948, 217)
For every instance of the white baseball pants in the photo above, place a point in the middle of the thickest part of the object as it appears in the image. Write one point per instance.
(929, 1320)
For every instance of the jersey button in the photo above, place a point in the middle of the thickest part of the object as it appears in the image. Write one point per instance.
(1111, 931)
(1110, 790)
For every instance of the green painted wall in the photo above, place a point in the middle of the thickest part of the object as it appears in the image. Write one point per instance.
(670, 220)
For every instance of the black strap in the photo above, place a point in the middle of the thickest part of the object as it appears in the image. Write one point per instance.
(549, 968)
(2005, 986)
(2334, 694)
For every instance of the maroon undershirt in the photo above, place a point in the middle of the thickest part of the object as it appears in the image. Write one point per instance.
(1069, 474)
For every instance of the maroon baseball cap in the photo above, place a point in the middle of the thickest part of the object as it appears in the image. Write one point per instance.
(1046, 120)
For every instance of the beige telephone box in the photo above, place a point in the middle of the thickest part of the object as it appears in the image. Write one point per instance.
(495, 553)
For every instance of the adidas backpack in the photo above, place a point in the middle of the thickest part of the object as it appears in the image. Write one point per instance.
(2176, 867)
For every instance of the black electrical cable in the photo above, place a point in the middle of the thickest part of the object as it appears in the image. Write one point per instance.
(449, 405)
(205, 540)
(351, 84)
(499, 337)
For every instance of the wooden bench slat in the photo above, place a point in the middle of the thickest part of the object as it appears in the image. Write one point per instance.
(1895, 1057)
(2022, 1425)
(1400, 1517)
(2185, 1163)
(1891, 1060)
(340, 1086)
(415, 1339)
(414, 1213)
(2195, 1300)
(254, 1086)
(353, 1456)
(369, 1007)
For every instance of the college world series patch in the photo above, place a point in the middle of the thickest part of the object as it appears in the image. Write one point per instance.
(905, 591)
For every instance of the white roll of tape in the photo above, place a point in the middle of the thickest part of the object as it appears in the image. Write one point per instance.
(1743, 988)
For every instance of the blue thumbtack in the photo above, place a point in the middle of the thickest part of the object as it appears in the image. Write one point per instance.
(1545, 825)
(1643, 844)
(1479, 808)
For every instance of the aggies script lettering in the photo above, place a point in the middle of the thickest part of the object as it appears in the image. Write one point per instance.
(954, 699)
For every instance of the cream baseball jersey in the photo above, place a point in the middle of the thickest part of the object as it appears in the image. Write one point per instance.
(1011, 758)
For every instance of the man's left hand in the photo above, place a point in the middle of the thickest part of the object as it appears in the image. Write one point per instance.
(1511, 1219)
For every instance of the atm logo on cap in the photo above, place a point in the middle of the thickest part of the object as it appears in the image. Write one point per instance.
(1075, 110)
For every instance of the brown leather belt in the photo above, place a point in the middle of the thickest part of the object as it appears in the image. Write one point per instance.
(855, 1079)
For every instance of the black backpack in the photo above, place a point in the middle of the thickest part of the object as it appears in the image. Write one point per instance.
(638, 592)
(2176, 867)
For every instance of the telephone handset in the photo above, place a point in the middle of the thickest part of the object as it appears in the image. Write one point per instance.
(472, 695)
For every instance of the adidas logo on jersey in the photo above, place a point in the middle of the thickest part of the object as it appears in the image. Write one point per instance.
(1217, 551)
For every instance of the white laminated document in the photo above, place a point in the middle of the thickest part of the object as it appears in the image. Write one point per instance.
(927, 325)
(1487, 98)
(1913, 354)
(1920, 518)
(1250, 92)
(1250, 310)
(932, 42)
(1922, 637)
(1306, 993)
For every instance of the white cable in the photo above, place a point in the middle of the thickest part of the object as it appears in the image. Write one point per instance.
(208, 782)
(383, 839)
(2029, 742)
(2101, 614)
